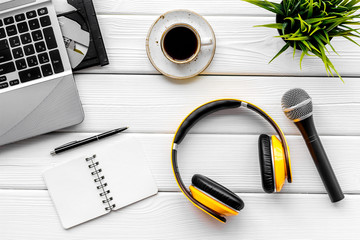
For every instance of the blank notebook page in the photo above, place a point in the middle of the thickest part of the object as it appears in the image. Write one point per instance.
(129, 179)
(73, 191)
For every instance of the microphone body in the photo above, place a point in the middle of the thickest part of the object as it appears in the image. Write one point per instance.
(297, 106)
(317, 151)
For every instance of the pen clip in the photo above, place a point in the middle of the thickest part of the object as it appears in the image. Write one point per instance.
(67, 144)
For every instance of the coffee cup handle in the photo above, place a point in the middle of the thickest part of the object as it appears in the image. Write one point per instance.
(206, 42)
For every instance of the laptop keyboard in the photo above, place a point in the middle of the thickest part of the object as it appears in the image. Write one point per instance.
(28, 46)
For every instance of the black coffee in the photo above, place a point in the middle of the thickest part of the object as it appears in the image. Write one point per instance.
(180, 43)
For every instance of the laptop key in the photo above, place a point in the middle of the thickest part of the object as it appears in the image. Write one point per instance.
(4, 44)
(37, 35)
(29, 49)
(25, 38)
(42, 11)
(31, 14)
(32, 61)
(30, 74)
(56, 61)
(17, 52)
(40, 47)
(34, 24)
(46, 70)
(11, 30)
(4, 85)
(14, 41)
(14, 82)
(22, 27)
(7, 68)
(5, 53)
(43, 58)
(8, 20)
(20, 64)
(2, 33)
(1, 23)
(20, 17)
(2, 78)
(50, 38)
(45, 21)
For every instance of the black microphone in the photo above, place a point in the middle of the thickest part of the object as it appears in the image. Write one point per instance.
(297, 106)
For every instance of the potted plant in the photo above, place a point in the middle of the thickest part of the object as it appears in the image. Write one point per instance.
(309, 25)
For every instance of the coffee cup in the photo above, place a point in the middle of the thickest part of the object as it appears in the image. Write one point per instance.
(181, 43)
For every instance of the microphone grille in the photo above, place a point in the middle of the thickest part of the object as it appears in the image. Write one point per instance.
(297, 104)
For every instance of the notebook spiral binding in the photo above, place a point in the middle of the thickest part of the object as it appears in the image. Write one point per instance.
(98, 178)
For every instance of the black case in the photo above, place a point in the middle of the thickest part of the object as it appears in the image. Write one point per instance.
(85, 15)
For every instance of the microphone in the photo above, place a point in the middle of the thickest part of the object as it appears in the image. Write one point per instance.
(297, 106)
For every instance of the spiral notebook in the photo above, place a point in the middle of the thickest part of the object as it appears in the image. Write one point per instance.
(94, 185)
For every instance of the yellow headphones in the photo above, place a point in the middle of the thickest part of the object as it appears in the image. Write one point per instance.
(215, 199)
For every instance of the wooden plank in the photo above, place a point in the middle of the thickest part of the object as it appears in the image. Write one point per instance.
(156, 105)
(241, 48)
(113, 89)
(157, 7)
(165, 119)
(231, 160)
(31, 215)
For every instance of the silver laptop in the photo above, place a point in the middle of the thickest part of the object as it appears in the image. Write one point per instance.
(37, 89)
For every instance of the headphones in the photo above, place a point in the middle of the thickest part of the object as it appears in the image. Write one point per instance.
(215, 199)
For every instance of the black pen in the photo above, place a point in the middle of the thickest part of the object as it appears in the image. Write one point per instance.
(75, 144)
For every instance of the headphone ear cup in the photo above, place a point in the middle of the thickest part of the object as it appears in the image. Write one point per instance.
(215, 196)
(266, 165)
(279, 163)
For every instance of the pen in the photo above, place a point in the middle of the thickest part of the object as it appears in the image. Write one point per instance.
(75, 144)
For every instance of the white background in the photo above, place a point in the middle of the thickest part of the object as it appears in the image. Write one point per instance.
(130, 92)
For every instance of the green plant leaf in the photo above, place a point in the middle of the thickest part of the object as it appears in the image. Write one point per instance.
(292, 21)
(313, 48)
(275, 6)
(298, 38)
(286, 46)
(284, 25)
(351, 23)
(310, 8)
(271, 25)
(352, 3)
(306, 45)
(301, 58)
(294, 46)
(316, 29)
(351, 40)
(315, 20)
(326, 39)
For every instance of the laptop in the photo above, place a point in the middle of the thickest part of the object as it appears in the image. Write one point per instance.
(37, 89)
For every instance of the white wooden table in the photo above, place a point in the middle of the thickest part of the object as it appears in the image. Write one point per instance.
(130, 92)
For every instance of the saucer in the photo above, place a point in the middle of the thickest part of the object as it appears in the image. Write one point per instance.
(164, 65)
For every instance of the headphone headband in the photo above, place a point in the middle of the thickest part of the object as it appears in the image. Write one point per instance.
(203, 111)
